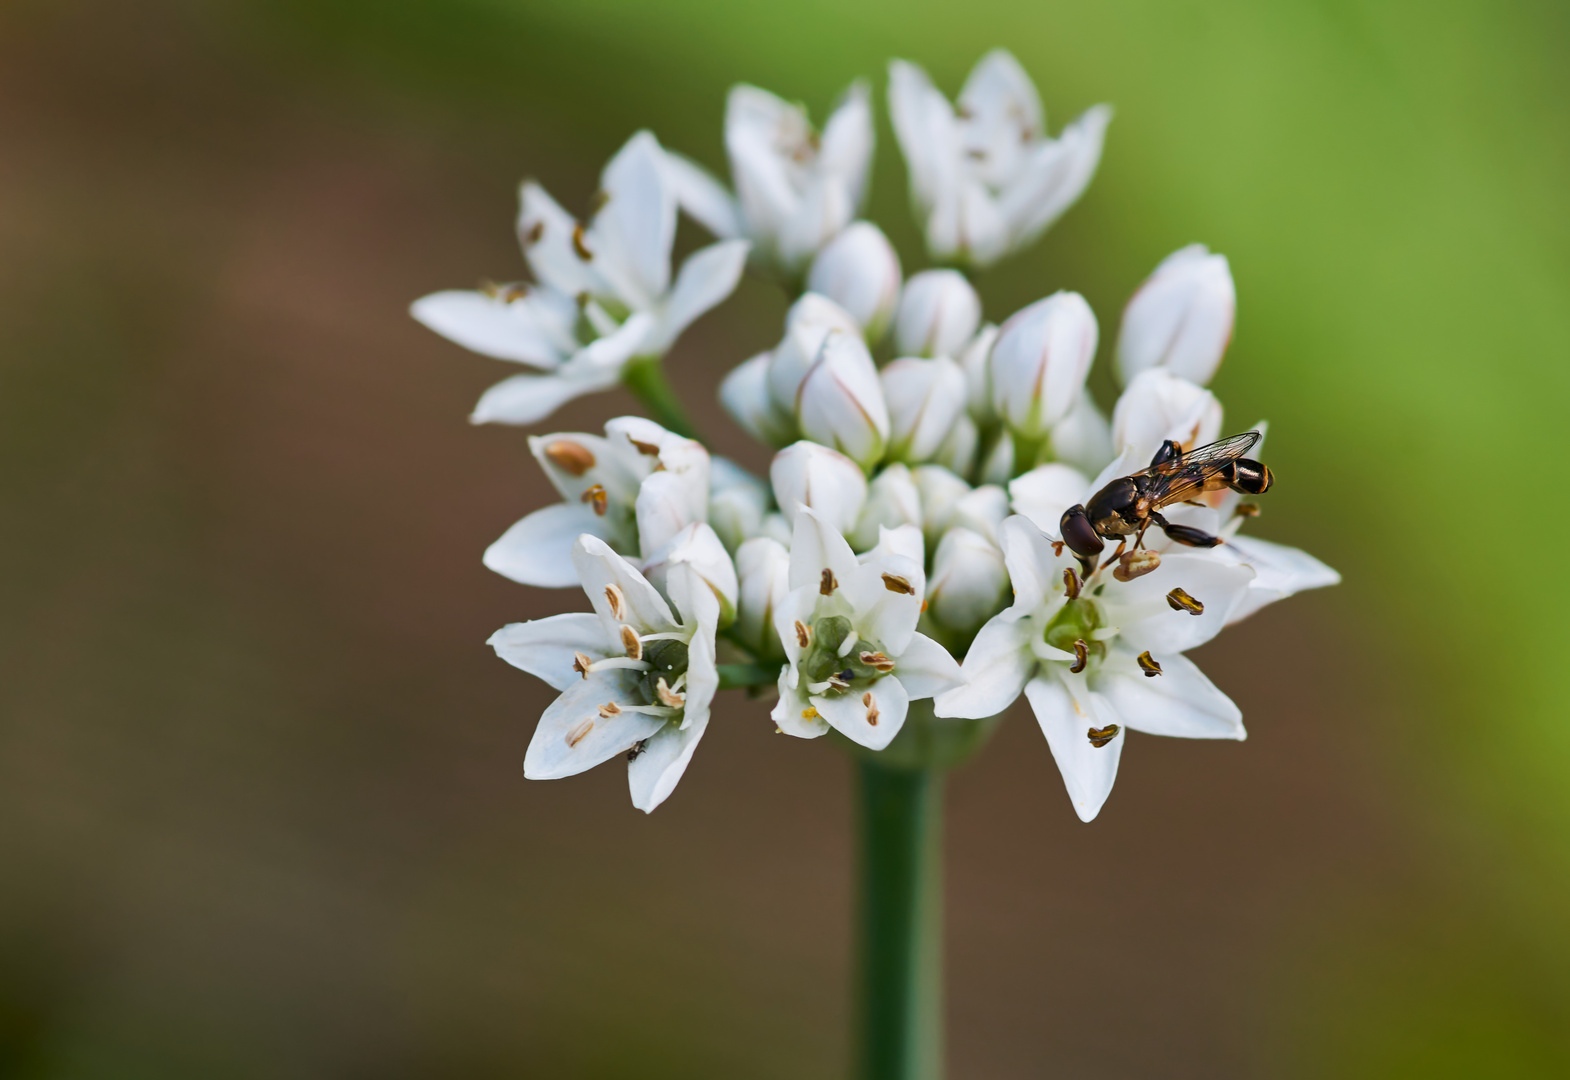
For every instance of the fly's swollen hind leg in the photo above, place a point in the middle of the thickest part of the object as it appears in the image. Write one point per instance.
(1186, 534)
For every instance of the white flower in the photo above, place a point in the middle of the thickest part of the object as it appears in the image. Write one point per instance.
(975, 359)
(892, 501)
(840, 403)
(745, 394)
(738, 502)
(854, 660)
(1039, 362)
(795, 190)
(604, 294)
(808, 324)
(635, 488)
(926, 398)
(938, 314)
(636, 678)
(969, 581)
(1181, 317)
(984, 178)
(859, 270)
(1043, 493)
(940, 490)
(1083, 438)
(763, 572)
(1158, 405)
(805, 474)
(1100, 656)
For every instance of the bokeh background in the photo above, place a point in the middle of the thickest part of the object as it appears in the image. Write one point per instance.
(262, 811)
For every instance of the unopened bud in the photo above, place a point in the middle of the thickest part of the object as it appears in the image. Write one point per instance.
(940, 490)
(810, 320)
(938, 314)
(841, 400)
(925, 399)
(860, 272)
(806, 474)
(763, 574)
(1040, 361)
(1181, 318)
(969, 581)
(1083, 438)
(1159, 405)
(745, 395)
(892, 501)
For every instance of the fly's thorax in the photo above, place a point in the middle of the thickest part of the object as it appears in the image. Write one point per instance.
(1111, 509)
(1075, 624)
(838, 661)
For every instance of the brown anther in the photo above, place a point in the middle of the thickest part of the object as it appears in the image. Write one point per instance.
(536, 231)
(1070, 582)
(1136, 564)
(597, 202)
(895, 583)
(872, 707)
(1057, 547)
(569, 456)
(630, 642)
(877, 661)
(512, 293)
(838, 681)
(613, 597)
(809, 713)
(1247, 509)
(668, 697)
(609, 709)
(1148, 665)
(1181, 601)
(648, 449)
(580, 663)
(1100, 736)
(596, 497)
(803, 634)
(1081, 656)
(576, 733)
(975, 153)
(579, 246)
(827, 584)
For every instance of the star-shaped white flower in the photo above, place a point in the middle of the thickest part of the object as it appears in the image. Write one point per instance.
(635, 488)
(603, 297)
(984, 178)
(854, 660)
(635, 677)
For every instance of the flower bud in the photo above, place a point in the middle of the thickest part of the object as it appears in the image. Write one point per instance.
(999, 463)
(981, 511)
(892, 501)
(958, 451)
(860, 272)
(925, 398)
(978, 382)
(810, 320)
(1083, 438)
(745, 395)
(1159, 405)
(806, 474)
(738, 502)
(969, 582)
(1045, 492)
(938, 314)
(841, 404)
(939, 489)
(698, 548)
(1181, 317)
(1040, 361)
(763, 574)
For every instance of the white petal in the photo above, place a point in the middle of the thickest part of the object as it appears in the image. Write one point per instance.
(995, 670)
(892, 501)
(745, 395)
(698, 552)
(870, 717)
(1180, 701)
(545, 647)
(1083, 438)
(702, 196)
(707, 277)
(1140, 612)
(1280, 571)
(1057, 177)
(538, 550)
(489, 325)
(619, 593)
(904, 541)
(816, 545)
(1160, 405)
(845, 150)
(653, 774)
(575, 461)
(805, 474)
(528, 399)
(924, 125)
(787, 712)
(1088, 771)
(883, 614)
(634, 230)
(926, 669)
(546, 232)
(1035, 570)
(797, 605)
(1045, 492)
(572, 735)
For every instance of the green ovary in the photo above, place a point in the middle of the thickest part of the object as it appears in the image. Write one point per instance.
(822, 659)
(1076, 621)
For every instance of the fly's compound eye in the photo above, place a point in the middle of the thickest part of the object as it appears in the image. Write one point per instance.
(1078, 533)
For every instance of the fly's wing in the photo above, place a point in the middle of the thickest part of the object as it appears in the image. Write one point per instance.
(1186, 477)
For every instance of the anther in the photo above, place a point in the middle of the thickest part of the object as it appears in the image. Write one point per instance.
(536, 231)
(827, 584)
(895, 583)
(840, 680)
(1070, 582)
(613, 597)
(667, 696)
(1247, 509)
(1057, 547)
(1181, 601)
(573, 457)
(609, 709)
(1148, 665)
(809, 713)
(576, 733)
(595, 495)
(579, 246)
(803, 635)
(644, 448)
(581, 663)
(1081, 656)
(1100, 736)
(878, 661)
(630, 642)
(872, 707)
(1136, 564)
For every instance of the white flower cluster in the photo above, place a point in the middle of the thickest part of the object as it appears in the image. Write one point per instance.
(924, 457)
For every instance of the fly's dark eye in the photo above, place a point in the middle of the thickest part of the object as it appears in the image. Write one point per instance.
(1078, 533)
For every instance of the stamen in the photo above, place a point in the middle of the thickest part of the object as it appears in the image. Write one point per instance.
(1057, 547)
(896, 584)
(576, 733)
(536, 231)
(827, 584)
(630, 642)
(840, 680)
(1181, 601)
(1081, 656)
(596, 495)
(809, 713)
(667, 696)
(609, 709)
(1136, 564)
(1070, 582)
(848, 646)
(872, 707)
(803, 635)
(647, 449)
(573, 457)
(1100, 736)
(579, 246)
(626, 662)
(582, 664)
(614, 598)
(877, 660)
(1148, 665)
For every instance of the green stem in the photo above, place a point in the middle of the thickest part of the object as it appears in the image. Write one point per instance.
(901, 922)
(645, 377)
(736, 676)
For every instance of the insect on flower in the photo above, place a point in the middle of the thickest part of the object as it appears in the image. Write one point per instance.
(1131, 504)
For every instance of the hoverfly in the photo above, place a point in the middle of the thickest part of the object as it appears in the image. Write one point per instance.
(1131, 504)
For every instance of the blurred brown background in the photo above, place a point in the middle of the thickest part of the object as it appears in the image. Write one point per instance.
(262, 811)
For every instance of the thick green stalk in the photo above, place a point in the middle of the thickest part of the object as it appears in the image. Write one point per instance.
(901, 922)
(645, 377)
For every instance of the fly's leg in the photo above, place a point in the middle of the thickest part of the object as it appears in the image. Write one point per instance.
(1186, 534)
(1116, 555)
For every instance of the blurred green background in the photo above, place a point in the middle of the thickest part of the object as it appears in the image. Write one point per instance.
(262, 811)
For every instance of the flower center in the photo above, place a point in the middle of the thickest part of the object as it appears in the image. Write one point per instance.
(665, 680)
(1072, 628)
(839, 661)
